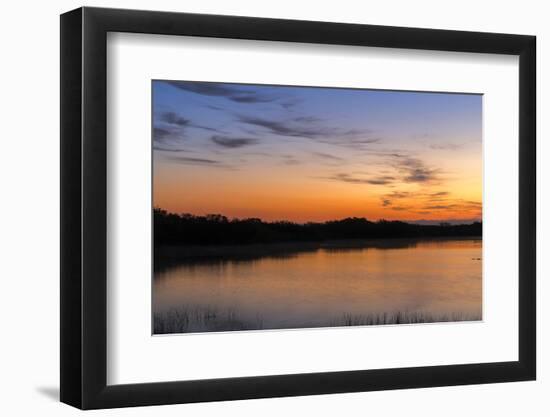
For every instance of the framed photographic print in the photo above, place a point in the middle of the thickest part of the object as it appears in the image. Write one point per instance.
(258, 207)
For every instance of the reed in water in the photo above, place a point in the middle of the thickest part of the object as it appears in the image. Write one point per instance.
(209, 319)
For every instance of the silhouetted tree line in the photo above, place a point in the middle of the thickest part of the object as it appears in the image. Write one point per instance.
(213, 229)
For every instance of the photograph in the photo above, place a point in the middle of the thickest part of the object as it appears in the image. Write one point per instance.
(288, 207)
(279, 205)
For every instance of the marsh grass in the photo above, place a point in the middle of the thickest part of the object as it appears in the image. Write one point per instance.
(415, 317)
(210, 319)
(201, 319)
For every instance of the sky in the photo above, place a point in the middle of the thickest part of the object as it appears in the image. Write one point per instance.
(315, 154)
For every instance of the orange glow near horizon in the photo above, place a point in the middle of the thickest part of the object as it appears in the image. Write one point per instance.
(392, 155)
(289, 195)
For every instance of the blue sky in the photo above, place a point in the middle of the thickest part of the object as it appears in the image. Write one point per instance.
(380, 142)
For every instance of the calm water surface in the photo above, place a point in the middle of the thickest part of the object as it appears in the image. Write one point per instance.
(320, 287)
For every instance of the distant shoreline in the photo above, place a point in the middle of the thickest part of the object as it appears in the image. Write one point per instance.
(165, 255)
(216, 229)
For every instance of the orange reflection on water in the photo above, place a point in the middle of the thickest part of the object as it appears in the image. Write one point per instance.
(318, 287)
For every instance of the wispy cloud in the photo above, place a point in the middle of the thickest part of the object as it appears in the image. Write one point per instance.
(311, 128)
(290, 160)
(207, 128)
(178, 123)
(233, 142)
(282, 128)
(328, 156)
(376, 180)
(439, 194)
(205, 162)
(440, 207)
(414, 170)
(428, 202)
(168, 140)
(395, 195)
(307, 119)
(174, 119)
(162, 148)
(398, 194)
(192, 161)
(236, 94)
(419, 196)
(457, 204)
(382, 180)
(159, 134)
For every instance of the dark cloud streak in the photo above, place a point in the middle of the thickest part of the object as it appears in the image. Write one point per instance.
(192, 161)
(380, 180)
(159, 134)
(238, 95)
(414, 170)
(233, 142)
(206, 162)
(174, 119)
(168, 149)
(308, 128)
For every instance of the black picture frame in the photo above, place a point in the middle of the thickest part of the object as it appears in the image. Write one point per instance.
(84, 207)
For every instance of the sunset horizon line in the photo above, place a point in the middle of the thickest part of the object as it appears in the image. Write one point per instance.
(452, 221)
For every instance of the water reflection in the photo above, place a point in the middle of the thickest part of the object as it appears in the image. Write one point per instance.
(312, 285)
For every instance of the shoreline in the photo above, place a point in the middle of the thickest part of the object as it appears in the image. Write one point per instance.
(182, 253)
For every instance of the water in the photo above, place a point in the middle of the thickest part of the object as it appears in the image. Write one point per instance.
(337, 284)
